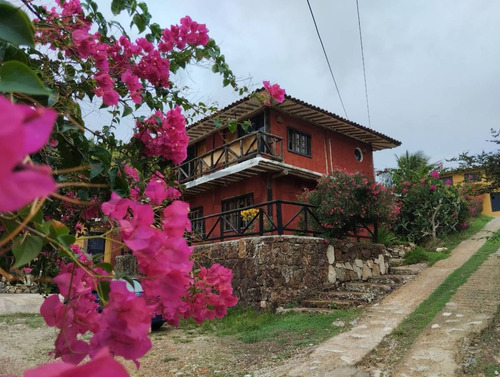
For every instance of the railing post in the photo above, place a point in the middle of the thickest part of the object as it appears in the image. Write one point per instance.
(261, 221)
(279, 218)
(306, 210)
(221, 227)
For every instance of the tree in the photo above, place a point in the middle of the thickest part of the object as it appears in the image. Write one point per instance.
(487, 162)
(428, 208)
(54, 179)
(411, 167)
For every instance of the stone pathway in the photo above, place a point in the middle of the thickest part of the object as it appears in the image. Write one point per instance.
(338, 356)
(471, 308)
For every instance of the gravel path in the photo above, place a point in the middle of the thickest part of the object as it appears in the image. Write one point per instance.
(338, 356)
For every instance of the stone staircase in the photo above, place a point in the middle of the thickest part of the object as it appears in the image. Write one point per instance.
(362, 293)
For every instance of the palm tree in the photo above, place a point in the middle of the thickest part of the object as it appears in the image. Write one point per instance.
(411, 167)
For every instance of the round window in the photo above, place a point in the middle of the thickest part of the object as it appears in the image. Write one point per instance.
(358, 154)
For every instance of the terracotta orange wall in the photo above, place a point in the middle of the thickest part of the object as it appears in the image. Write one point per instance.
(321, 160)
(211, 200)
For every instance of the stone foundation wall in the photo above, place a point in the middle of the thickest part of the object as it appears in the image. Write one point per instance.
(23, 286)
(276, 270)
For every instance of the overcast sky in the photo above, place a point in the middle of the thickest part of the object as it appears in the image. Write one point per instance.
(433, 67)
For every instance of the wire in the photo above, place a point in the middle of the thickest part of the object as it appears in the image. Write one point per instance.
(327, 61)
(363, 59)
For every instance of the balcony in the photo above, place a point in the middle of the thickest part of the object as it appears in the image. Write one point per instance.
(255, 144)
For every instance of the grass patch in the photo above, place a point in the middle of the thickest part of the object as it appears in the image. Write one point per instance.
(295, 329)
(32, 321)
(396, 344)
(426, 252)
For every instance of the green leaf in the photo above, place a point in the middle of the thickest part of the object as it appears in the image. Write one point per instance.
(103, 289)
(139, 21)
(15, 26)
(43, 227)
(18, 77)
(57, 229)
(13, 53)
(26, 248)
(127, 110)
(101, 153)
(24, 213)
(117, 6)
(96, 169)
(67, 239)
(105, 266)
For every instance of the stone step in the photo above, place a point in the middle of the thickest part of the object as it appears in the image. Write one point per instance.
(412, 269)
(396, 262)
(333, 304)
(349, 295)
(391, 279)
(376, 288)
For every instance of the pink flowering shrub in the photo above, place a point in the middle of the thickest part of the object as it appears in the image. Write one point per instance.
(347, 200)
(429, 208)
(24, 130)
(126, 192)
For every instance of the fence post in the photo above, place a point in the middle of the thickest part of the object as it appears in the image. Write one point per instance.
(306, 228)
(221, 228)
(279, 218)
(261, 221)
(375, 232)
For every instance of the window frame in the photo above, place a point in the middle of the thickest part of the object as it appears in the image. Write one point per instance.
(473, 177)
(196, 217)
(291, 132)
(235, 221)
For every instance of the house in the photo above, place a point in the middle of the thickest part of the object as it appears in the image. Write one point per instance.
(247, 182)
(491, 200)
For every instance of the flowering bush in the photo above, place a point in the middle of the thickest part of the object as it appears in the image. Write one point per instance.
(429, 208)
(55, 181)
(346, 200)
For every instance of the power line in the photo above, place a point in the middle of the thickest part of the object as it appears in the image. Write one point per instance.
(363, 59)
(327, 61)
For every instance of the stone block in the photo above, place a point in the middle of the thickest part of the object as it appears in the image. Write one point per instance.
(341, 274)
(330, 254)
(367, 273)
(347, 266)
(332, 275)
(359, 263)
(358, 272)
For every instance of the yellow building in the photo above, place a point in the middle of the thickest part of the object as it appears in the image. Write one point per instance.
(491, 200)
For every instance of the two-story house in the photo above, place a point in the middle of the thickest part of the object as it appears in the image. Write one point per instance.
(287, 148)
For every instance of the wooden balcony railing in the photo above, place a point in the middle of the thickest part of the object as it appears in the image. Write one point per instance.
(275, 217)
(257, 143)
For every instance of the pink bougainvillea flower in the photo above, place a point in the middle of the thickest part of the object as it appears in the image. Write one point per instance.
(164, 135)
(275, 91)
(126, 321)
(434, 174)
(156, 190)
(102, 365)
(432, 187)
(24, 130)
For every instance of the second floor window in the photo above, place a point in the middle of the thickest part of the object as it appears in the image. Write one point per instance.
(299, 142)
(233, 220)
